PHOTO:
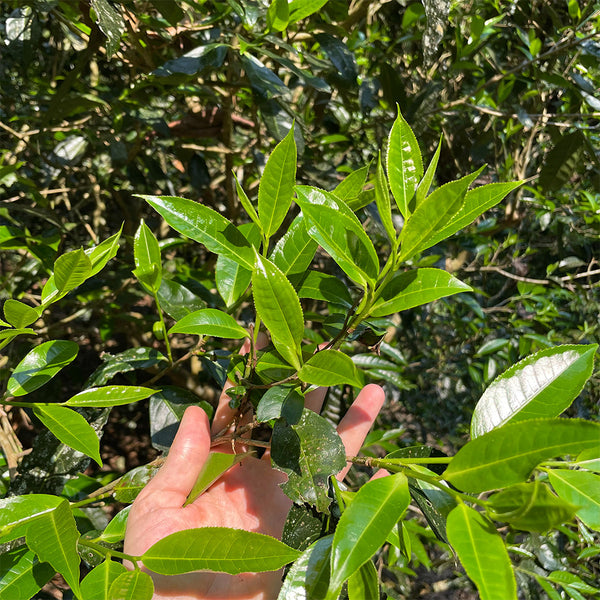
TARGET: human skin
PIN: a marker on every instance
(247, 497)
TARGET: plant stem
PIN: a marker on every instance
(108, 552)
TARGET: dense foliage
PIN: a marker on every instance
(111, 113)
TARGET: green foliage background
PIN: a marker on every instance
(99, 102)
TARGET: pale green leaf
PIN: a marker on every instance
(482, 553)
(18, 314)
(364, 584)
(300, 9)
(53, 537)
(219, 549)
(276, 188)
(210, 321)
(132, 585)
(146, 254)
(295, 250)
(96, 584)
(278, 306)
(40, 365)
(508, 454)
(382, 199)
(352, 186)
(425, 183)
(247, 204)
(404, 164)
(365, 524)
(278, 15)
(413, 288)
(109, 395)
(582, 489)
(115, 530)
(441, 206)
(542, 385)
(17, 512)
(21, 574)
(133, 482)
(71, 269)
(204, 225)
(329, 367)
(70, 428)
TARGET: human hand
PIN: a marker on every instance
(247, 497)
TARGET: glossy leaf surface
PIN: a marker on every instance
(352, 186)
(109, 395)
(404, 164)
(425, 183)
(96, 584)
(364, 583)
(210, 321)
(365, 524)
(276, 188)
(482, 553)
(280, 401)
(17, 512)
(308, 577)
(40, 365)
(21, 574)
(308, 453)
(329, 367)
(132, 483)
(441, 206)
(18, 314)
(332, 224)
(204, 225)
(124, 362)
(71, 429)
(217, 549)
(322, 286)
(115, 530)
(71, 269)
(177, 300)
(146, 254)
(508, 455)
(295, 250)
(414, 288)
(582, 489)
(382, 199)
(278, 306)
(541, 385)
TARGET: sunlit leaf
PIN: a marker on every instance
(413, 288)
(18, 314)
(132, 483)
(582, 489)
(22, 574)
(71, 429)
(482, 553)
(278, 306)
(508, 454)
(295, 250)
(109, 395)
(40, 365)
(220, 549)
(115, 530)
(425, 183)
(132, 585)
(365, 524)
(541, 385)
(364, 583)
(177, 300)
(210, 321)
(71, 269)
(329, 367)
(146, 254)
(382, 199)
(96, 584)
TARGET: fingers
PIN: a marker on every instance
(355, 425)
(314, 400)
(188, 453)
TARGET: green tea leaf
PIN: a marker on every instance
(210, 321)
(404, 164)
(542, 385)
(308, 453)
(40, 365)
(21, 574)
(247, 204)
(53, 537)
(352, 186)
(508, 454)
(382, 199)
(71, 269)
(218, 549)
(109, 395)
(96, 584)
(100, 255)
(300, 9)
(280, 401)
(365, 524)
(276, 188)
(232, 280)
(295, 250)
(582, 489)
(416, 287)
(425, 183)
(216, 465)
(132, 483)
(146, 253)
(18, 314)
(364, 583)
(336, 228)
(204, 225)
(71, 429)
(110, 22)
(17, 512)
(308, 577)
(442, 205)
(132, 585)
(321, 286)
(482, 553)
(278, 15)
(177, 300)
(278, 306)
(530, 507)
(329, 367)
(477, 201)
(115, 530)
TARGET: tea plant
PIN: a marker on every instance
(525, 469)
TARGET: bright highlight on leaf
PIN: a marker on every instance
(210, 321)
